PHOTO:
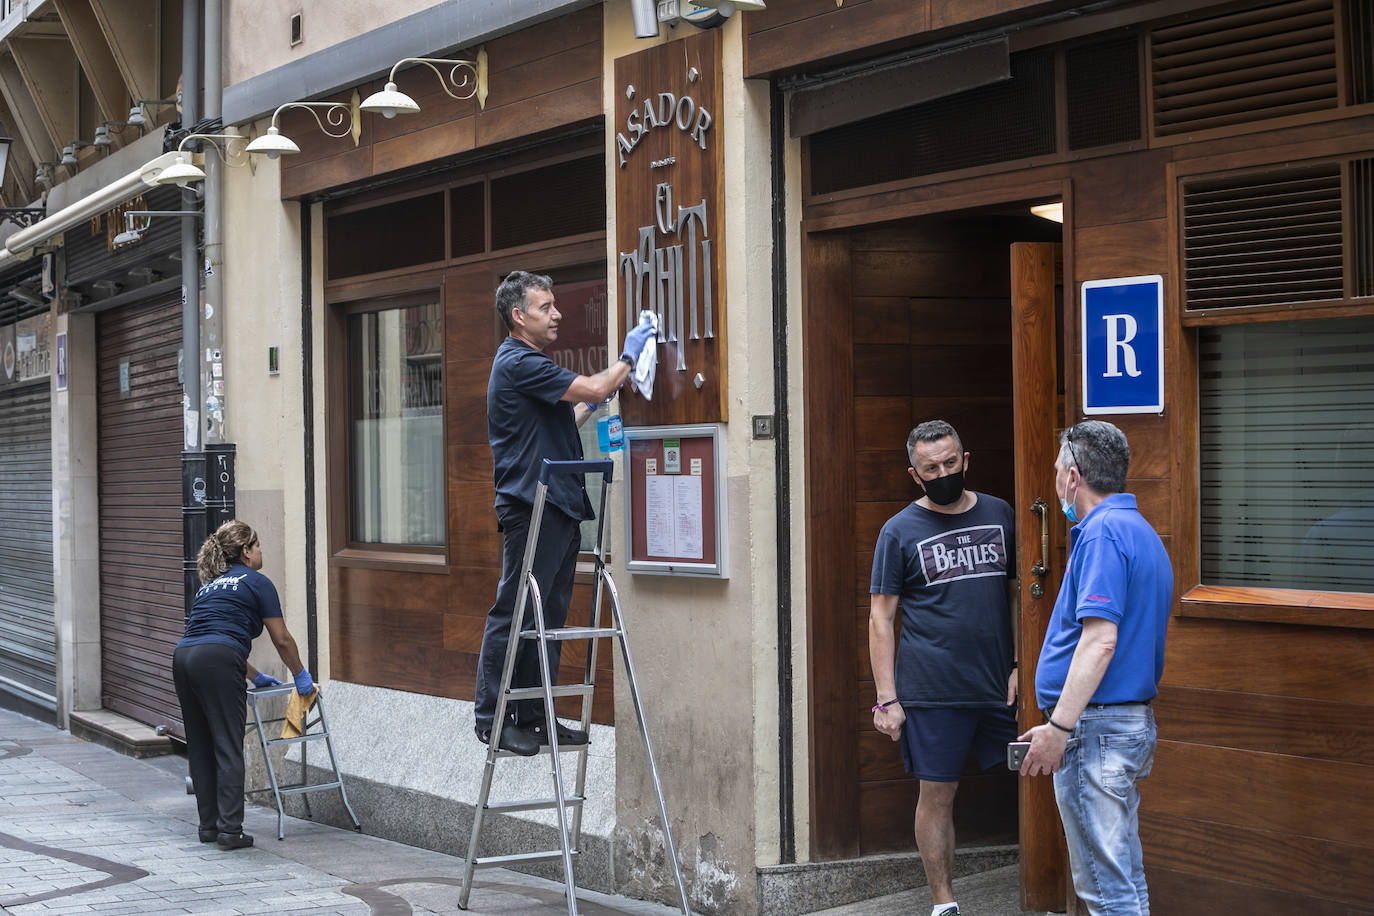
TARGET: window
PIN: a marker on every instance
(1286, 424)
(396, 424)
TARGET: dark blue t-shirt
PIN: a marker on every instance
(230, 610)
(1119, 571)
(950, 572)
(527, 422)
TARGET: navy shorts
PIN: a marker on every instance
(936, 740)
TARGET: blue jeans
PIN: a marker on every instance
(1112, 748)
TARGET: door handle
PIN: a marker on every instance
(1042, 568)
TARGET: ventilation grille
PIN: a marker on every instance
(1362, 210)
(1359, 31)
(1263, 239)
(1103, 92)
(1013, 119)
(548, 203)
(1263, 62)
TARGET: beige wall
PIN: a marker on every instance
(257, 33)
(262, 308)
(705, 649)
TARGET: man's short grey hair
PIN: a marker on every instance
(931, 431)
(511, 293)
(1100, 451)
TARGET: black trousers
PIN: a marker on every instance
(555, 562)
(209, 682)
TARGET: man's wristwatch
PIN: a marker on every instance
(627, 361)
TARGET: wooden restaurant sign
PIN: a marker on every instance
(669, 224)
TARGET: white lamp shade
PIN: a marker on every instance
(273, 144)
(127, 236)
(136, 118)
(729, 6)
(389, 102)
(180, 172)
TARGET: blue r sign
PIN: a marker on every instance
(1123, 345)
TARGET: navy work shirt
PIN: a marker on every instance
(230, 610)
(527, 421)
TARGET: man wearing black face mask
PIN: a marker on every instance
(947, 561)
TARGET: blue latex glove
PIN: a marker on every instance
(265, 680)
(636, 339)
(304, 682)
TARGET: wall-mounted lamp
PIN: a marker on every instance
(69, 153)
(1053, 212)
(42, 175)
(102, 133)
(272, 144)
(391, 101)
(727, 7)
(182, 171)
(132, 234)
(27, 296)
(138, 114)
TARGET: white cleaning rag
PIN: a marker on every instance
(646, 364)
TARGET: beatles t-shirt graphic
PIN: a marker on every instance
(965, 553)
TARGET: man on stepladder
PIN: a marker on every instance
(534, 407)
(946, 561)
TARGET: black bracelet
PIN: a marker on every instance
(627, 361)
(1015, 664)
(1050, 720)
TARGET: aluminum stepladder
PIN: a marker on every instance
(277, 789)
(569, 827)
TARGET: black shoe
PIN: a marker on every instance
(514, 739)
(233, 841)
(208, 836)
(567, 737)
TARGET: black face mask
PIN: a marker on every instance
(944, 491)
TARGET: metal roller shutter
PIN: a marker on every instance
(140, 440)
(28, 661)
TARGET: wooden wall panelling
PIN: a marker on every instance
(1274, 860)
(1274, 792)
(1215, 895)
(828, 393)
(1320, 729)
(1318, 663)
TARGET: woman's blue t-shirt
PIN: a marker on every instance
(230, 610)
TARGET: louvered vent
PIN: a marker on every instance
(1359, 47)
(1262, 62)
(1362, 209)
(1263, 239)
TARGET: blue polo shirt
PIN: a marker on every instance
(1118, 571)
(527, 421)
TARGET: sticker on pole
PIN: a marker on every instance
(1123, 345)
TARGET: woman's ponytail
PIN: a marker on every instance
(222, 549)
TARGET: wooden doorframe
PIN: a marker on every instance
(828, 394)
(828, 397)
(1043, 859)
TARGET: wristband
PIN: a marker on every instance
(881, 706)
(627, 360)
(1015, 664)
(1050, 720)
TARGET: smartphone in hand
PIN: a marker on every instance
(1016, 752)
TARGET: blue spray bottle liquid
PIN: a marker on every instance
(610, 435)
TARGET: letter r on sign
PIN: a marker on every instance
(1121, 330)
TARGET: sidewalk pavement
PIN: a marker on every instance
(987, 893)
(84, 829)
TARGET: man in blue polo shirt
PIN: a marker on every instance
(531, 416)
(1099, 669)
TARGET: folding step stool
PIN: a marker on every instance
(569, 835)
(278, 790)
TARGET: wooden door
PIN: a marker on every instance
(1040, 533)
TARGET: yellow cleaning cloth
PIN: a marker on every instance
(296, 708)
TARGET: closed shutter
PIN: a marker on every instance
(140, 439)
(28, 663)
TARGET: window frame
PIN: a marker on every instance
(1197, 598)
(422, 289)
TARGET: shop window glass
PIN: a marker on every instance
(396, 435)
(1286, 422)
